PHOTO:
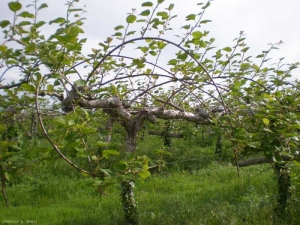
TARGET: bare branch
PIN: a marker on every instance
(168, 103)
(12, 85)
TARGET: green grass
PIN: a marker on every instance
(193, 190)
(213, 195)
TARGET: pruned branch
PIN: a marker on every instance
(262, 160)
(161, 113)
(52, 94)
(163, 134)
(169, 103)
(116, 108)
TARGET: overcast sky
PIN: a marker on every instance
(263, 21)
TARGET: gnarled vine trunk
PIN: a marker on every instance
(132, 122)
(130, 142)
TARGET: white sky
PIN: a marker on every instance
(263, 21)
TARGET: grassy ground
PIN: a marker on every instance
(194, 190)
(212, 195)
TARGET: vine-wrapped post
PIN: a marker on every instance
(284, 189)
(3, 180)
(129, 204)
(218, 150)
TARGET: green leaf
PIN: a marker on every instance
(28, 87)
(144, 174)
(207, 4)
(56, 83)
(85, 174)
(260, 56)
(71, 122)
(197, 34)
(190, 17)
(44, 5)
(14, 6)
(94, 158)
(3, 48)
(80, 82)
(107, 153)
(39, 24)
(141, 21)
(79, 22)
(88, 130)
(267, 130)
(131, 18)
(162, 152)
(120, 166)
(183, 56)
(143, 49)
(296, 163)
(107, 172)
(60, 120)
(160, 1)
(173, 62)
(101, 144)
(57, 20)
(266, 121)
(186, 27)
(161, 44)
(130, 32)
(171, 6)
(26, 14)
(50, 87)
(24, 23)
(256, 144)
(119, 27)
(172, 17)
(43, 149)
(4, 23)
(241, 39)
(75, 10)
(205, 21)
(72, 144)
(227, 49)
(109, 40)
(30, 48)
(153, 53)
(245, 49)
(163, 15)
(245, 66)
(145, 167)
(7, 176)
(118, 34)
(145, 13)
(147, 4)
